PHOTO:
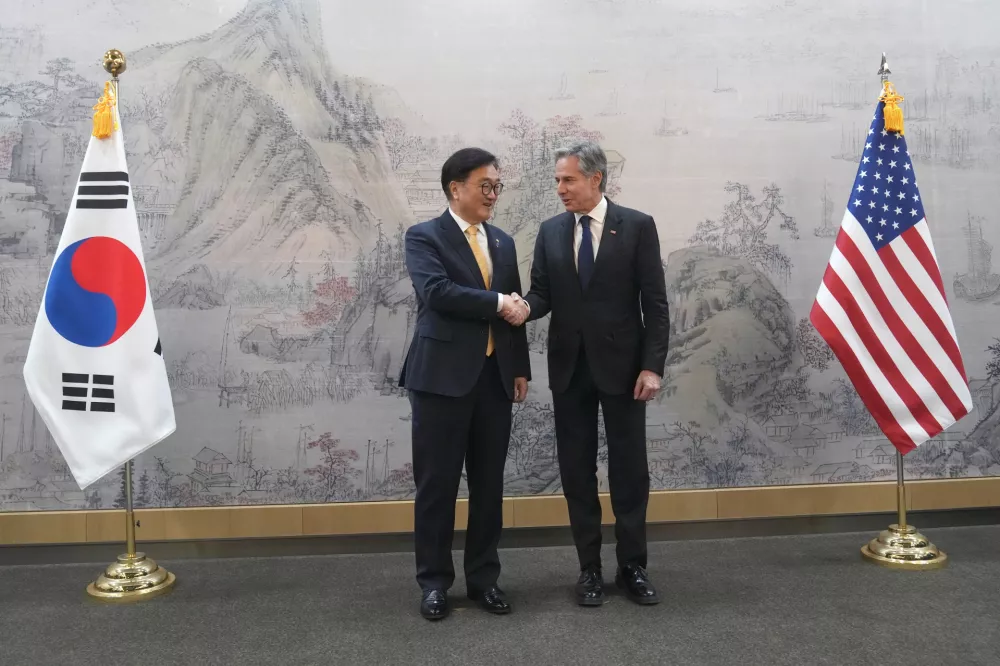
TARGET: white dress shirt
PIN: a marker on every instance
(484, 245)
(596, 228)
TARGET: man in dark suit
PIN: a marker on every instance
(597, 269)
(465, 367)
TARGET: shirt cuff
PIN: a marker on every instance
(499, 302)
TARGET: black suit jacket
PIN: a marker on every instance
(455, 310)
(621, 319)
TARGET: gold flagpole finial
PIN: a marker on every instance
(114, 62)
(104, 117)
(892, 113)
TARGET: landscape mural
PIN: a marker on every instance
(280, 148)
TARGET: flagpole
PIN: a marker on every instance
(133, 577)
(900, 492)
(129, 513)
(114, 69)
(901, 546)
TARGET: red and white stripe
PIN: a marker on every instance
(885, 315)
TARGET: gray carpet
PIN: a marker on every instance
(772, 600)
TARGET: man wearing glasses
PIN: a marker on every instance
(466, 365)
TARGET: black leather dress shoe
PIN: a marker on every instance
(633, 579)
(434, 605)
(590, 588)
(492, 600)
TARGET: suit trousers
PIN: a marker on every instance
(473, 429)
(628, 472)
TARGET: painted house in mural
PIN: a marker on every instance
(211, 471)
(805, 440)
(424, 194)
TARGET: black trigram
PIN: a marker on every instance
(102, 189)
(77, 388)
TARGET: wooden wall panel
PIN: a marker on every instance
(55, 527)
(43, 527)
(953, 495)
(811, 500)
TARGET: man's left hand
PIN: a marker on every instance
(520, 389)
(646, 386)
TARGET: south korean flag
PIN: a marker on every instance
(95, 370)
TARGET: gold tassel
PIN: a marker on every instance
(892, 113)
(104, 117)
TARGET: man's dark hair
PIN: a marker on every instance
(462, 163)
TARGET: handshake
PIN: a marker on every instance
(514, 309)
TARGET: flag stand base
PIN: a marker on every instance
(132, 578)
(903, 548)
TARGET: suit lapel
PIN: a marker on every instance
(493, 243)
(609, 242)
(458, 240)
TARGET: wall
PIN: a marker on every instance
(279, 149)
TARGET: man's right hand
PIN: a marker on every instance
(514, 310)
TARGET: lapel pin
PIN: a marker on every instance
(612, 232)
(496, 242)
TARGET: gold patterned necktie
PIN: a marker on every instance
(484, 269)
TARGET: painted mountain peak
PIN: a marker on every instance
(248, 150)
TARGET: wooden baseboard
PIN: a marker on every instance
(273, 521)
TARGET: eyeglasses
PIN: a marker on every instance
(487, 188)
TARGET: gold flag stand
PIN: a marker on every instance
(901, 546)
(134, 577)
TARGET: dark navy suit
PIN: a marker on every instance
(600, 338)
(461, 399)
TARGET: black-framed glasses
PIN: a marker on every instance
(487, 187)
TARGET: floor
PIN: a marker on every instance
(765, 600)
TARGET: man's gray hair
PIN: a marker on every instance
(591, 157)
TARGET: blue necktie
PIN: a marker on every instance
(585, 259)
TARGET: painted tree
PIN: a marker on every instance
(850, 411)
(143, 498)
(330, 297)
(402, 146)
(165, 492)
(531, 435)
(993, 365)
(60, 70)
(121, 500)
(335, 470)
(742, 231)
(697, 440)
(814, 349)
(291, 281)
(527, 166)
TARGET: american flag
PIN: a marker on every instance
(882, 307)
